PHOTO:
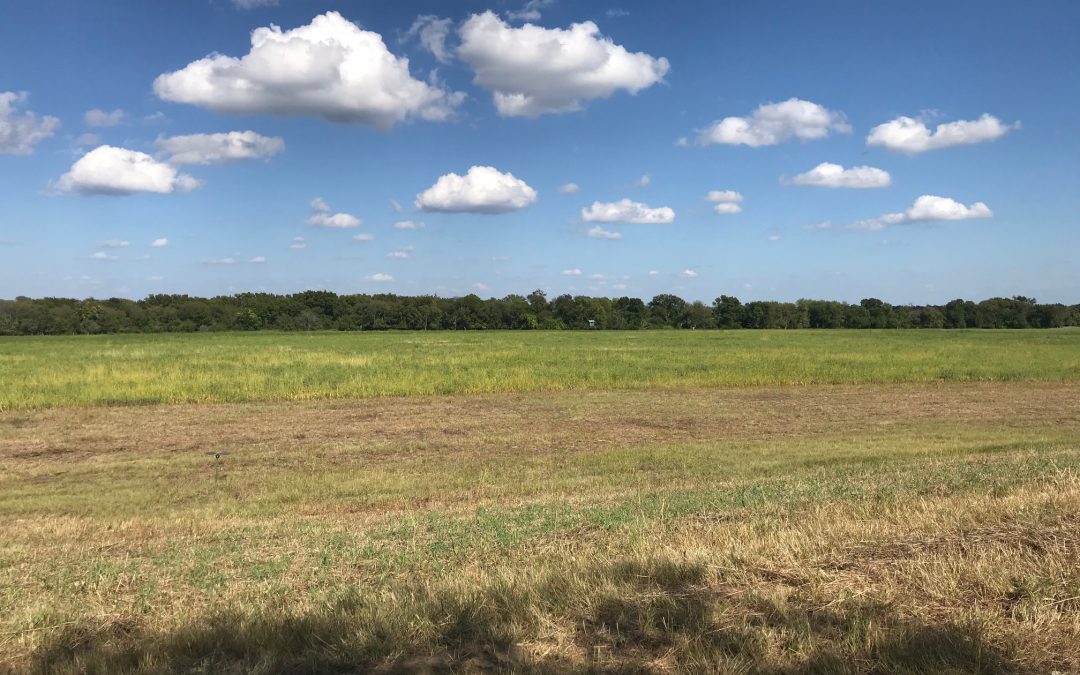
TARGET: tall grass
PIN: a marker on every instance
(42, 372)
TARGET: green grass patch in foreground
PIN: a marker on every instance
(139, 369)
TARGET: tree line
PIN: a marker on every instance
(324, 310)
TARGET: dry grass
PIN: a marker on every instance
(895, 528)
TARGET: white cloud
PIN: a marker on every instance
(217, 148)
(644, 181)
(336, 220)
(379, 276)
(653, 273)
(323, 218)
(480, 286)
(688, 274)
(910, 135)
(298, 243)
(616, 13)
(330, 68)
(626, 211)
(724, 196)
(102, 255)
(925, 209)
(100, 118)
(569, 188)
(483, 189)
(432, 32)
(402, 253)
(258, 260)
(396, 206)
(727, 208)
(774, 123)
(409, 225)
(531, 10)
(598, 232)
(156, 277)
(108, 170)
(160, 243)
(774, 237)
(619, 286)
(252, 4)
(836, 176)
(221, 261)
(575, 272)
(20, 133)
(533, 70)
(114, 243)
(363, 236)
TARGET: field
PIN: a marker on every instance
(758, 501)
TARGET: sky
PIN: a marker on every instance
(767, 150)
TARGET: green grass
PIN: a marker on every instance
(139, 369)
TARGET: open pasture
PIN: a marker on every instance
(845, 502)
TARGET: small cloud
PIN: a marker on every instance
(88, 139)
(483, 189)
(102, 255)
(155, 278)
(831, 175)
(598, 232)
(160, 243)
(569, 188)
(100, 118)
(298, 243)
(575, 272)
(644, 180)
(379, 276)
(927, 208)
(222, 261)
(319, 205)
(616, 13)
(724, 196)
(108, 170)
(500, 258)
(409, 225)
(218, 148)
(688, 274)
(114, 243)
(253, 4)
(258, 260)
(682, 142)
(396, 206)
(626, 211)
(401, 253)
(774, 123)
(363, 236)
(480, 286)
(727, 208)
(323, 218)
(653, 273)
(619, 286)
(155, 118)
(912, 136)
(774, 237)
(432, 32)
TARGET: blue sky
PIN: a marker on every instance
(696, 96)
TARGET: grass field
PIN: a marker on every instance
(58, 371)
(915, 510)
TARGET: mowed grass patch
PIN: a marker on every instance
(903, 528)
(141, 369)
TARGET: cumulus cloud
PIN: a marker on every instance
(107, 170)
(626, 211)
(774, 123)
(401, 253)
(483, 189)
(363, 236)
(114, 243)
(569, 188)
(409, 225)
(323, 218)
(329, 68)
(724, 196)
(480, 286)
(217, 148)
(531, 10)
(258, 260)
(160, 243)
(102, 255)
(925, 209)
(379, 276)
(533, 70)
(597, 232)
(101, 118)
(688, 274)
(727, 208)
(912, 136)
(575, 272)
(831, 175)
(774, 237)
(644, 181)
(298, 243)
(432, 32)
(19, 133)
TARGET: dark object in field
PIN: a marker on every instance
(219, 454)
